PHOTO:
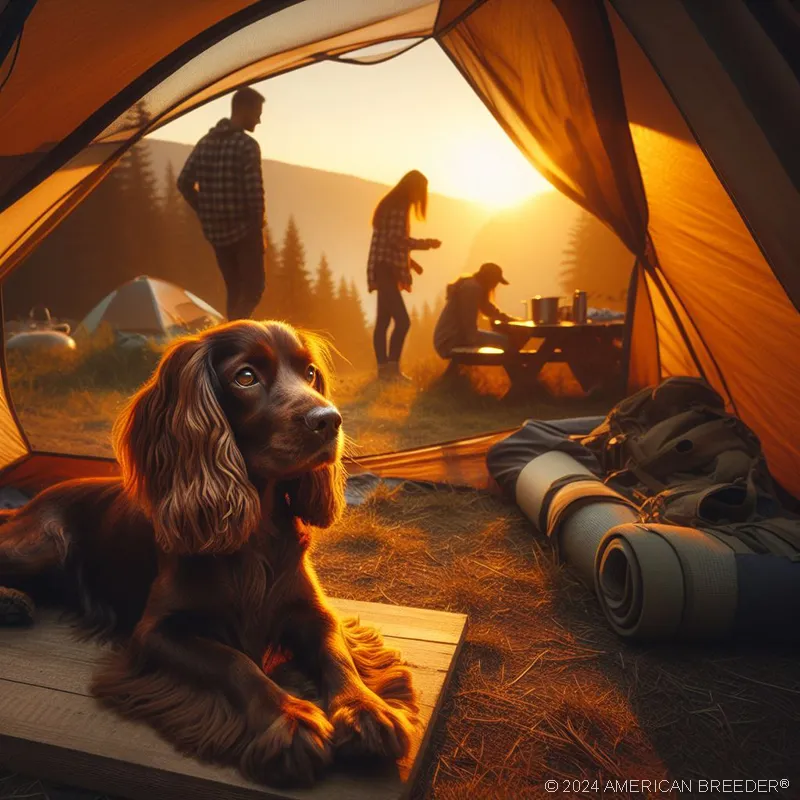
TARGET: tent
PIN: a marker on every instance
(150, 307)
(675, 122)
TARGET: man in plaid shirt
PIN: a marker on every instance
(222, 182)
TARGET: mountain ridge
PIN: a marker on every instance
(333, 212)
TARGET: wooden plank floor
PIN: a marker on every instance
(51, 728)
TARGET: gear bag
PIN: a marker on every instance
(675, 452)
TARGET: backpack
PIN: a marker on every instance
(683, 460)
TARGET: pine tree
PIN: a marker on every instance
(426, 318)
(143, 248)
(341, 330)
(180, 235)
(323, 317)
(358, 319)
(293, 300)
(356, 340)
(76, 265)
(272, 265)
(342, 291)
(271, 304)
(596, 261)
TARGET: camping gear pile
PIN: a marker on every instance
(667, 508)
(39, 319)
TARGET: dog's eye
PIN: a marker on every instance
(311, 373)
(246, 377)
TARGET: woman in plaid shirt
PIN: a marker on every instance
(390, 264)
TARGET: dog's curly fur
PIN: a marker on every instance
(195, 562)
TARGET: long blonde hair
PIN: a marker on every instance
(411, 191)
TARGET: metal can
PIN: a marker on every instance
(579, 307)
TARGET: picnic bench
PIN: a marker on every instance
(592, 350)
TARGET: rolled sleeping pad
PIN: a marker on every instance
(572, 506)
(508, 457)
(658, 582)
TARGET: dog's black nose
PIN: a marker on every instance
(325, 421)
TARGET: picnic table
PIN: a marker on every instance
(592, 350)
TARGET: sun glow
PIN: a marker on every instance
(378, 122)
(490, 170)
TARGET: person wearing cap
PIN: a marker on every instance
(467, 297)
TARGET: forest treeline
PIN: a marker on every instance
(127, 227)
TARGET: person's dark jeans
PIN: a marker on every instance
(242, 268)
(390, 307)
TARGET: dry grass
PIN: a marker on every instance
(544, 690)
(69, 405)
(382, 417)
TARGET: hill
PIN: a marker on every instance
(528, 241)
(122, 231)
(333, 213)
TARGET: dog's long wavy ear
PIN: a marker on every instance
(179, 459)
(317, 498)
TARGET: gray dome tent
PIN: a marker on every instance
(150, 307)
(674, 122)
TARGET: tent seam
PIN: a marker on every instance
(666, 282)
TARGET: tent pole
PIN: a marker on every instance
(12, 21)
(3, 369)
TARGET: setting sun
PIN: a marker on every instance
(489, 169)
(377, 122)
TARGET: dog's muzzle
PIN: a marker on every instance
(325, 421)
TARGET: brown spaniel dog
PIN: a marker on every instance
(196, 562)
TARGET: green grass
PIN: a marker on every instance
(68, 403)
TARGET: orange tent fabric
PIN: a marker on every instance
(675, 126)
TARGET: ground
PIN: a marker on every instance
(64, 412)
(543, 689)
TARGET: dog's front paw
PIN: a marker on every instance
(16, 608)
(365, 725)
(293, 750)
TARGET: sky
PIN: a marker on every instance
(379, 121)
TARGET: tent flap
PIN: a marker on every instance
(547, 71)
(674, 123)
(727, 127)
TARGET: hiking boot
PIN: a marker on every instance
(394, 373)
(385, 372)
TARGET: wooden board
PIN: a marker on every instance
(51, 728)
